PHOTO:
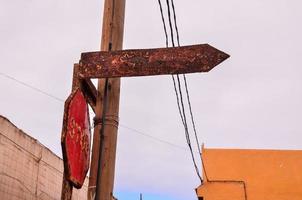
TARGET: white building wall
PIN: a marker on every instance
(28, 170)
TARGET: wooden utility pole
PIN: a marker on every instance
(108, 65)
(112, 39)
(66, 193)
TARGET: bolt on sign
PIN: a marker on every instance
(76, 138)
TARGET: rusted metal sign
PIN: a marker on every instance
(76, 138)
(110, 64)
(148, 62)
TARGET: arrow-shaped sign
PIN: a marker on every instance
(148, 62)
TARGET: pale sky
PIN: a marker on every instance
(252, 100)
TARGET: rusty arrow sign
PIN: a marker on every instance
(148, 62)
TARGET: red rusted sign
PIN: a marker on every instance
(148, 62)
(76, 138)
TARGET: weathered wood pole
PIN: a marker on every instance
(66, 193)
(112, 39)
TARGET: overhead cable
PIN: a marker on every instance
(177, 86)
(122, 125)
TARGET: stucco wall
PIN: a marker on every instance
(28, 170)
(247, 174)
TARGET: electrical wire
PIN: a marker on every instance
(31, 87)
(175, 22)
(120, 124)
(191, 114)
(163, 19)
(187, 132)
(177, 87)
(170, 22)
(153, 138)
(185, 81)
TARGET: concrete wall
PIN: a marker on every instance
(28, 170)
(240, 174)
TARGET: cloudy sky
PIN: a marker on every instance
(252, 100)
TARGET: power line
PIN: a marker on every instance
(153, 138)
(177, 87)
(31, 87)
(175, 22)
(121, 125)
(170, 23)
(191, 114)
(185, 81)
(163, 19)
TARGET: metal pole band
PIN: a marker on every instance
(110, 120)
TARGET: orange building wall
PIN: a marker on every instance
(251, 174)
